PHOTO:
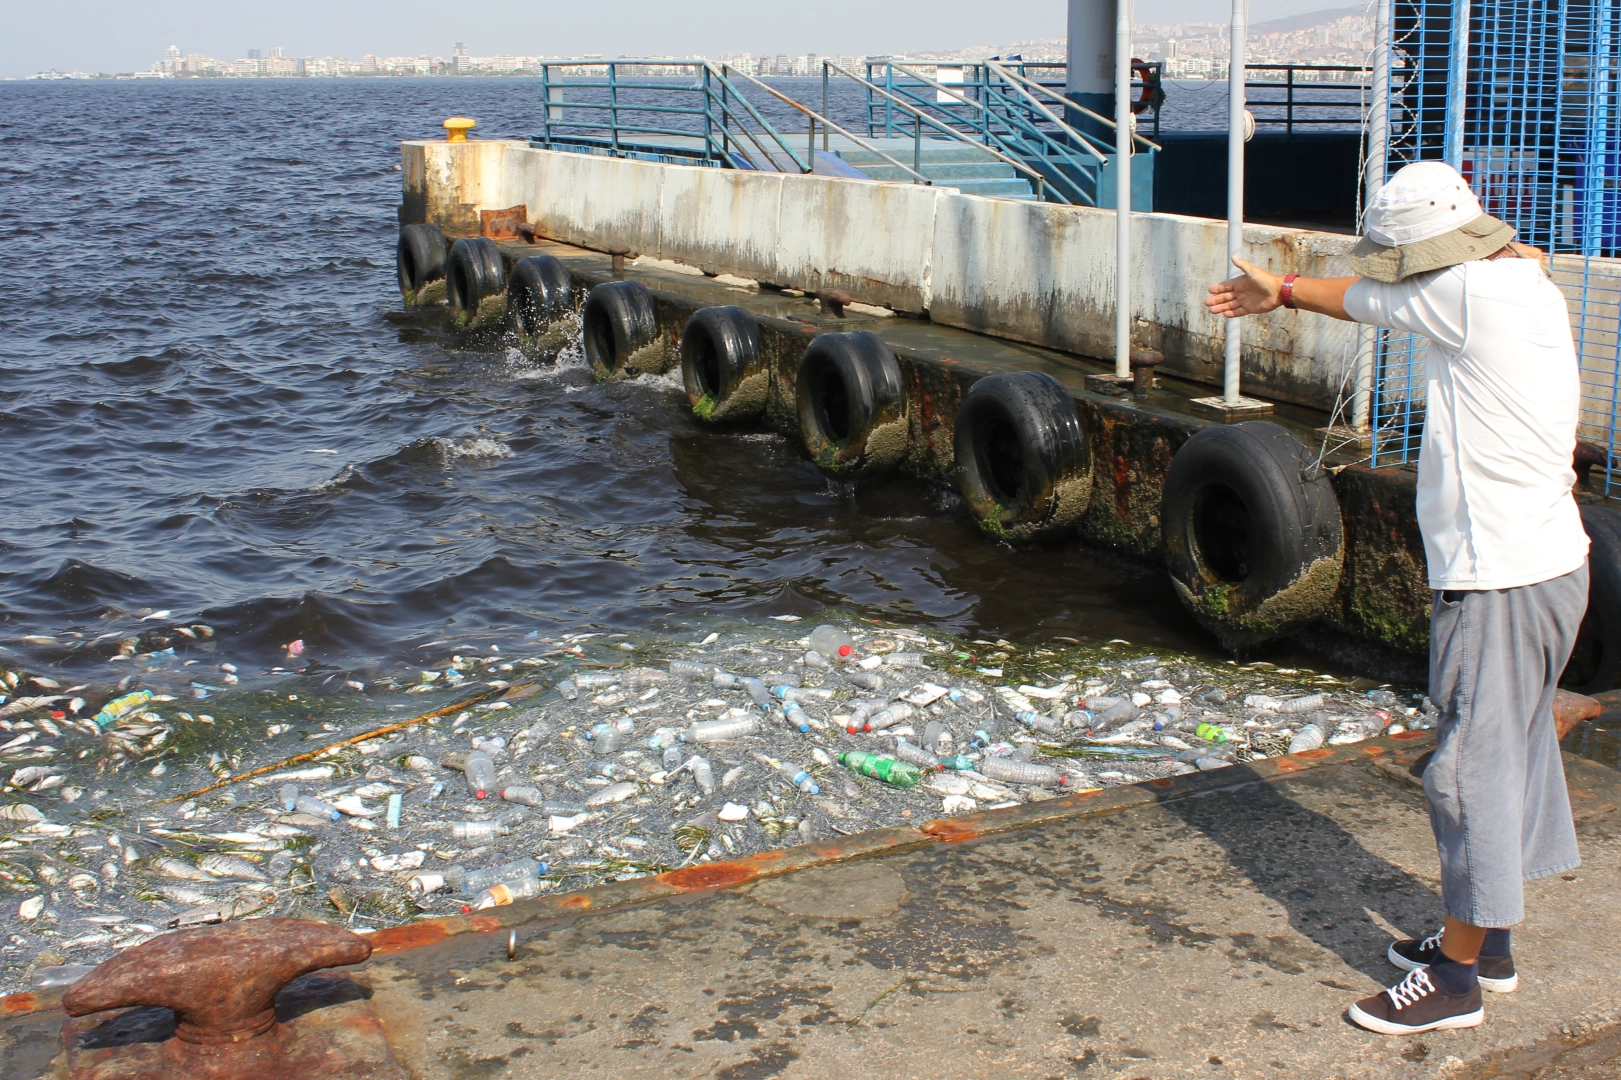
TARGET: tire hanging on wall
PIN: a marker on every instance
(1023, 463)
(851, 403)
(1595, 662)
(419, 258)
(475, 272)
(620, 326)
(540, 292)
(721, 365)
(1252, 531)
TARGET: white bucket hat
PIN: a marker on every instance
(1425, 218)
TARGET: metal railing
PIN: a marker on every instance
(1323, 100)
(998, 107)
(974, 79)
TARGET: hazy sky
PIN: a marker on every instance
(124, 35)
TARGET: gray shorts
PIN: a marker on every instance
(1496, 785)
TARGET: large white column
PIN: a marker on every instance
(1235, 188)
(1090, 81)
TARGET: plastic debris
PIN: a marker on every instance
(882, 767)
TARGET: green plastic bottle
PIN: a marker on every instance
(1211, 732)
(882, 767)
(957, 762)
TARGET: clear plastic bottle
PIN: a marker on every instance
(931, 735)
(477, 830)
(289, 797)
(889, 717)
(702, 774)
(796, 717)
(916, 755)
(882, 767)
(708, 731)
(859, 714)
(1303, 703)
(505, 893)
(758, 692)
(867, 680)
(981, 739)
(671, 758)
(904, 659)
(798, 777)
(309, 804)
(595, 680)
(1084, 719)
(480, 771)
(1309, 737)
(1020, 772)
(801, 693)
(532, 796)
(812, 658)
(569, 689)
(476, 881)
(611, 769)
(833, 643)
(606, 739)
(1037, 722)
(688, 669)
(725, 680)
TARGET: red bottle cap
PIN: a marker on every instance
(478, 794)
(845, 650)
(58, 714)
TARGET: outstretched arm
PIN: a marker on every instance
(1255, 292)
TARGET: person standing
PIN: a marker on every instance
(1506, 553)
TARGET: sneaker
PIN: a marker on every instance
(1416, 1004)
(1496, 972)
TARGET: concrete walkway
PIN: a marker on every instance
(1219, 933)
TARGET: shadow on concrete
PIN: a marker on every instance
(1312, 867)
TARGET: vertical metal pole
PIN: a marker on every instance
(1373, 179)
(1457, 85)
(824, 103)
(889, 104)
(1122, 179)
(1235, 188)
(546, 95)
(1289, 95)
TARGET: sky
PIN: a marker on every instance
(126, 35)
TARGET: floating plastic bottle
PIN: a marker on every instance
(757, 692)
(595, 680)
(532, 796)
(958, 763)
(1037, 722)
(800, 693)
(480, 771)
(309, 804)
(889, 717)
(396, 802)
(569, 689)
(882, 767)
(120, 707)
(289, 797)
(672, 758)
(1354, 731)
(798, 777)
(1303, 703)
(606, 739)
(1020, 772)
(867, 680)
(1084, 719)
(689, 669)
(1100, 703)
(611, 769)
(904, 659)
(916, 755)
(477, 830)
(1382, 698)
(931, 735)
(796, 717)
(708, 731)
(859, 714)
(981, 739)
(725, 680)
(1309, 737)
(505, 893)
(955, 696)
(833, 643)
(812, 658)
(702, 774)
(476, 881)
(1211, 732)
(423, 884)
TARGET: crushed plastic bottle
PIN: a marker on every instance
(1303, 703)
(671, 759)
(569, 689)
(479, 769)
(812, 658)
(702, 774)
(606, 739)
(289, 797)
(859, 714)
(477, 830)
(476, 881)
(916, 755)
(120, 707)
(725, 680)
(1037, 722)
(1020, 772)
(507, 892)
(1309, 737)
(931, 735)
(687, 669)
(981, 739)
(796, 717)
(309, 804)
(882, 767)
(866, 680)
(611, 769)
(889, 717)
(1383, 698)
(833, 643)
(708, 731)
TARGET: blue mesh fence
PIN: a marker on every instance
(1527, 106)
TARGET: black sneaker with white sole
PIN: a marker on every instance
(1496, 972)
(1416, 1004)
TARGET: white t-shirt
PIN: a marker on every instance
(1495, 474)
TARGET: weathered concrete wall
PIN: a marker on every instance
(1034, 272)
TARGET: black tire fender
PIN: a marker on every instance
(1595, 662)
(540, 292)
(619, 324)
(1023, 463)
(851, 403)
(474, 272)
(1252, 531)
(721, 365)
(419, 258)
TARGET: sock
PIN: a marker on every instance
(1496, 943)
(1453, 977)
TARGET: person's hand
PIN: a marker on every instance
(1255, 292)
(1527, 251)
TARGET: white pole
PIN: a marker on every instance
(1374, 179)
(1235, 188)
(1122, 176)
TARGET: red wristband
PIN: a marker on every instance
(1286, 291)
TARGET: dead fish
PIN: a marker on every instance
(613, 793)
(39, 639)
(351, 806)
(20, 740)
(46, 725)
(179, 894)
(216, 913)
(49, 684)
(21, 812)
(83, 883)
(25, 776)
(177, 868)
(24, 704)
(164, 614)
(231, 866)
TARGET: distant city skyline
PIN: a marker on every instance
(103, 36)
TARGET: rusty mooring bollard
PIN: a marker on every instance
(1143, 363)
(222, 984)
(618, 254)
(833, 302)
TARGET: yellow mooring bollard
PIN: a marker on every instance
(457, 127)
